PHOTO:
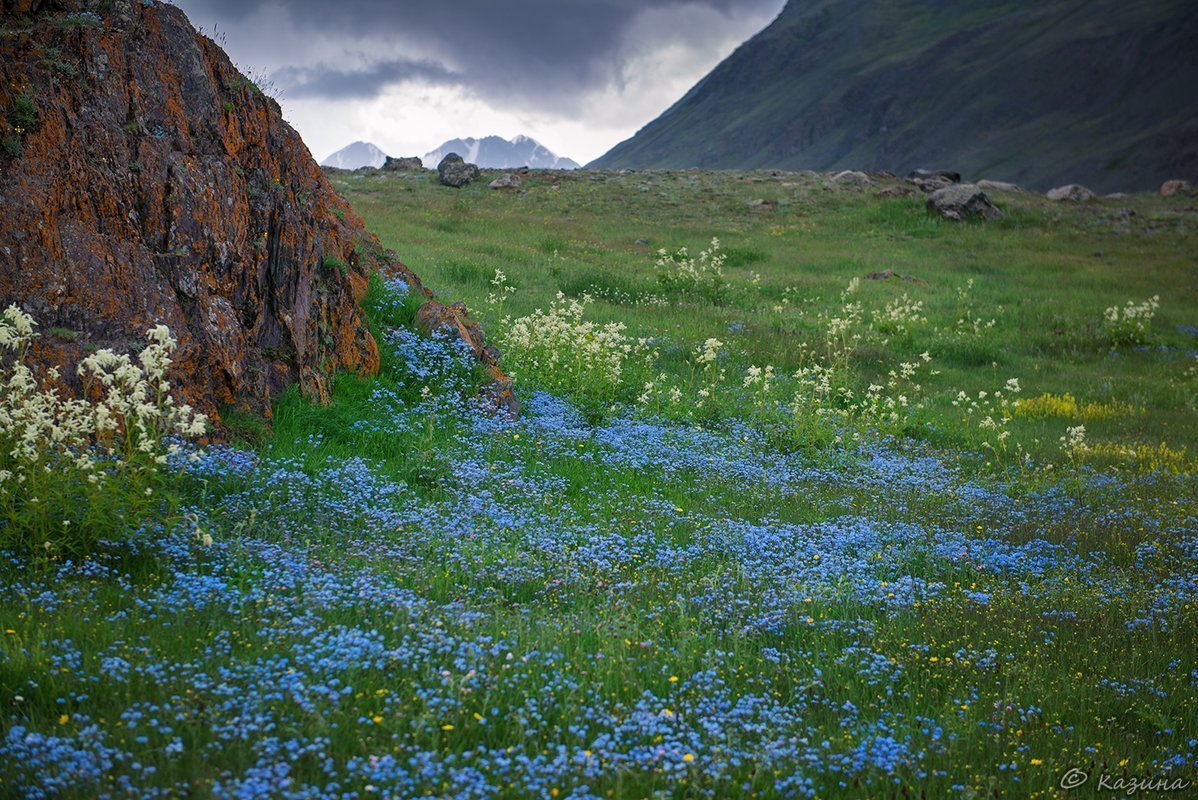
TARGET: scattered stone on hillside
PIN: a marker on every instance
(895, 191)
(643, 242)
(1176, 187)
(761, 204)
(367, 170)
(1072, 192)
(454, 171)
(1116, 196)
(961, 201)
(927, 174)
(929, 181)
(1002, 186)
(506, 181)
(848, 179)
(435, 318)
(403, 164)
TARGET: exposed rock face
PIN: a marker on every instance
(961, 201)
(156, 184)
(455, 172)
(1073, 193)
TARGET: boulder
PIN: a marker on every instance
(454, 171)
(1001, 186)
(508, 180)
(961, 201)
(403, 164)
(848, 179)
(934, 174)
(930, 180)
(1072, 193)
(1176, 187)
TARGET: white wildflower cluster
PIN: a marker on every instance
(887, 406)
(1074, 442)
(621, 297)
(707, 372)
(899, 315)
(841, 331)
(968, 322)
(759, 383)
(989, 414)
(500, 291)
(566, 352)
(1130, 325)
(818, 395)
(681, 272)
(823, 395)
(122, 428)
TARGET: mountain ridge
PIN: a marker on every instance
(355, 155)
(495, 152)
(1037, 93)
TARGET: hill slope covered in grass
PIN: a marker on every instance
(1040, 93)
(767, 527)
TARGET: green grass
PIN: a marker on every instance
(1045, 274)
(544, 589)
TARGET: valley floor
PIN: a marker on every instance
(775, 531)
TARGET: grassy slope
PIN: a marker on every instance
(1038, 93)
(1046, 273)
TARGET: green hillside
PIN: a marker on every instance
(1041, 93)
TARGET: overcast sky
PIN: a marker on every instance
(577, 75)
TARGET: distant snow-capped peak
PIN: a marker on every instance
(494, 152)
(358, 154)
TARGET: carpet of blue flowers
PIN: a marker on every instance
(629, 607)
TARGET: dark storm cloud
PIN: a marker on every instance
(365, 82)
(543, 49)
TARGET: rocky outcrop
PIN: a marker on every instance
(454, 171)
(962, 201)
(144, 180)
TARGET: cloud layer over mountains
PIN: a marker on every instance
(539, 51)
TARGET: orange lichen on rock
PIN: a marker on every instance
(156, 184)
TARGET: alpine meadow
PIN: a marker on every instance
(657, 483)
